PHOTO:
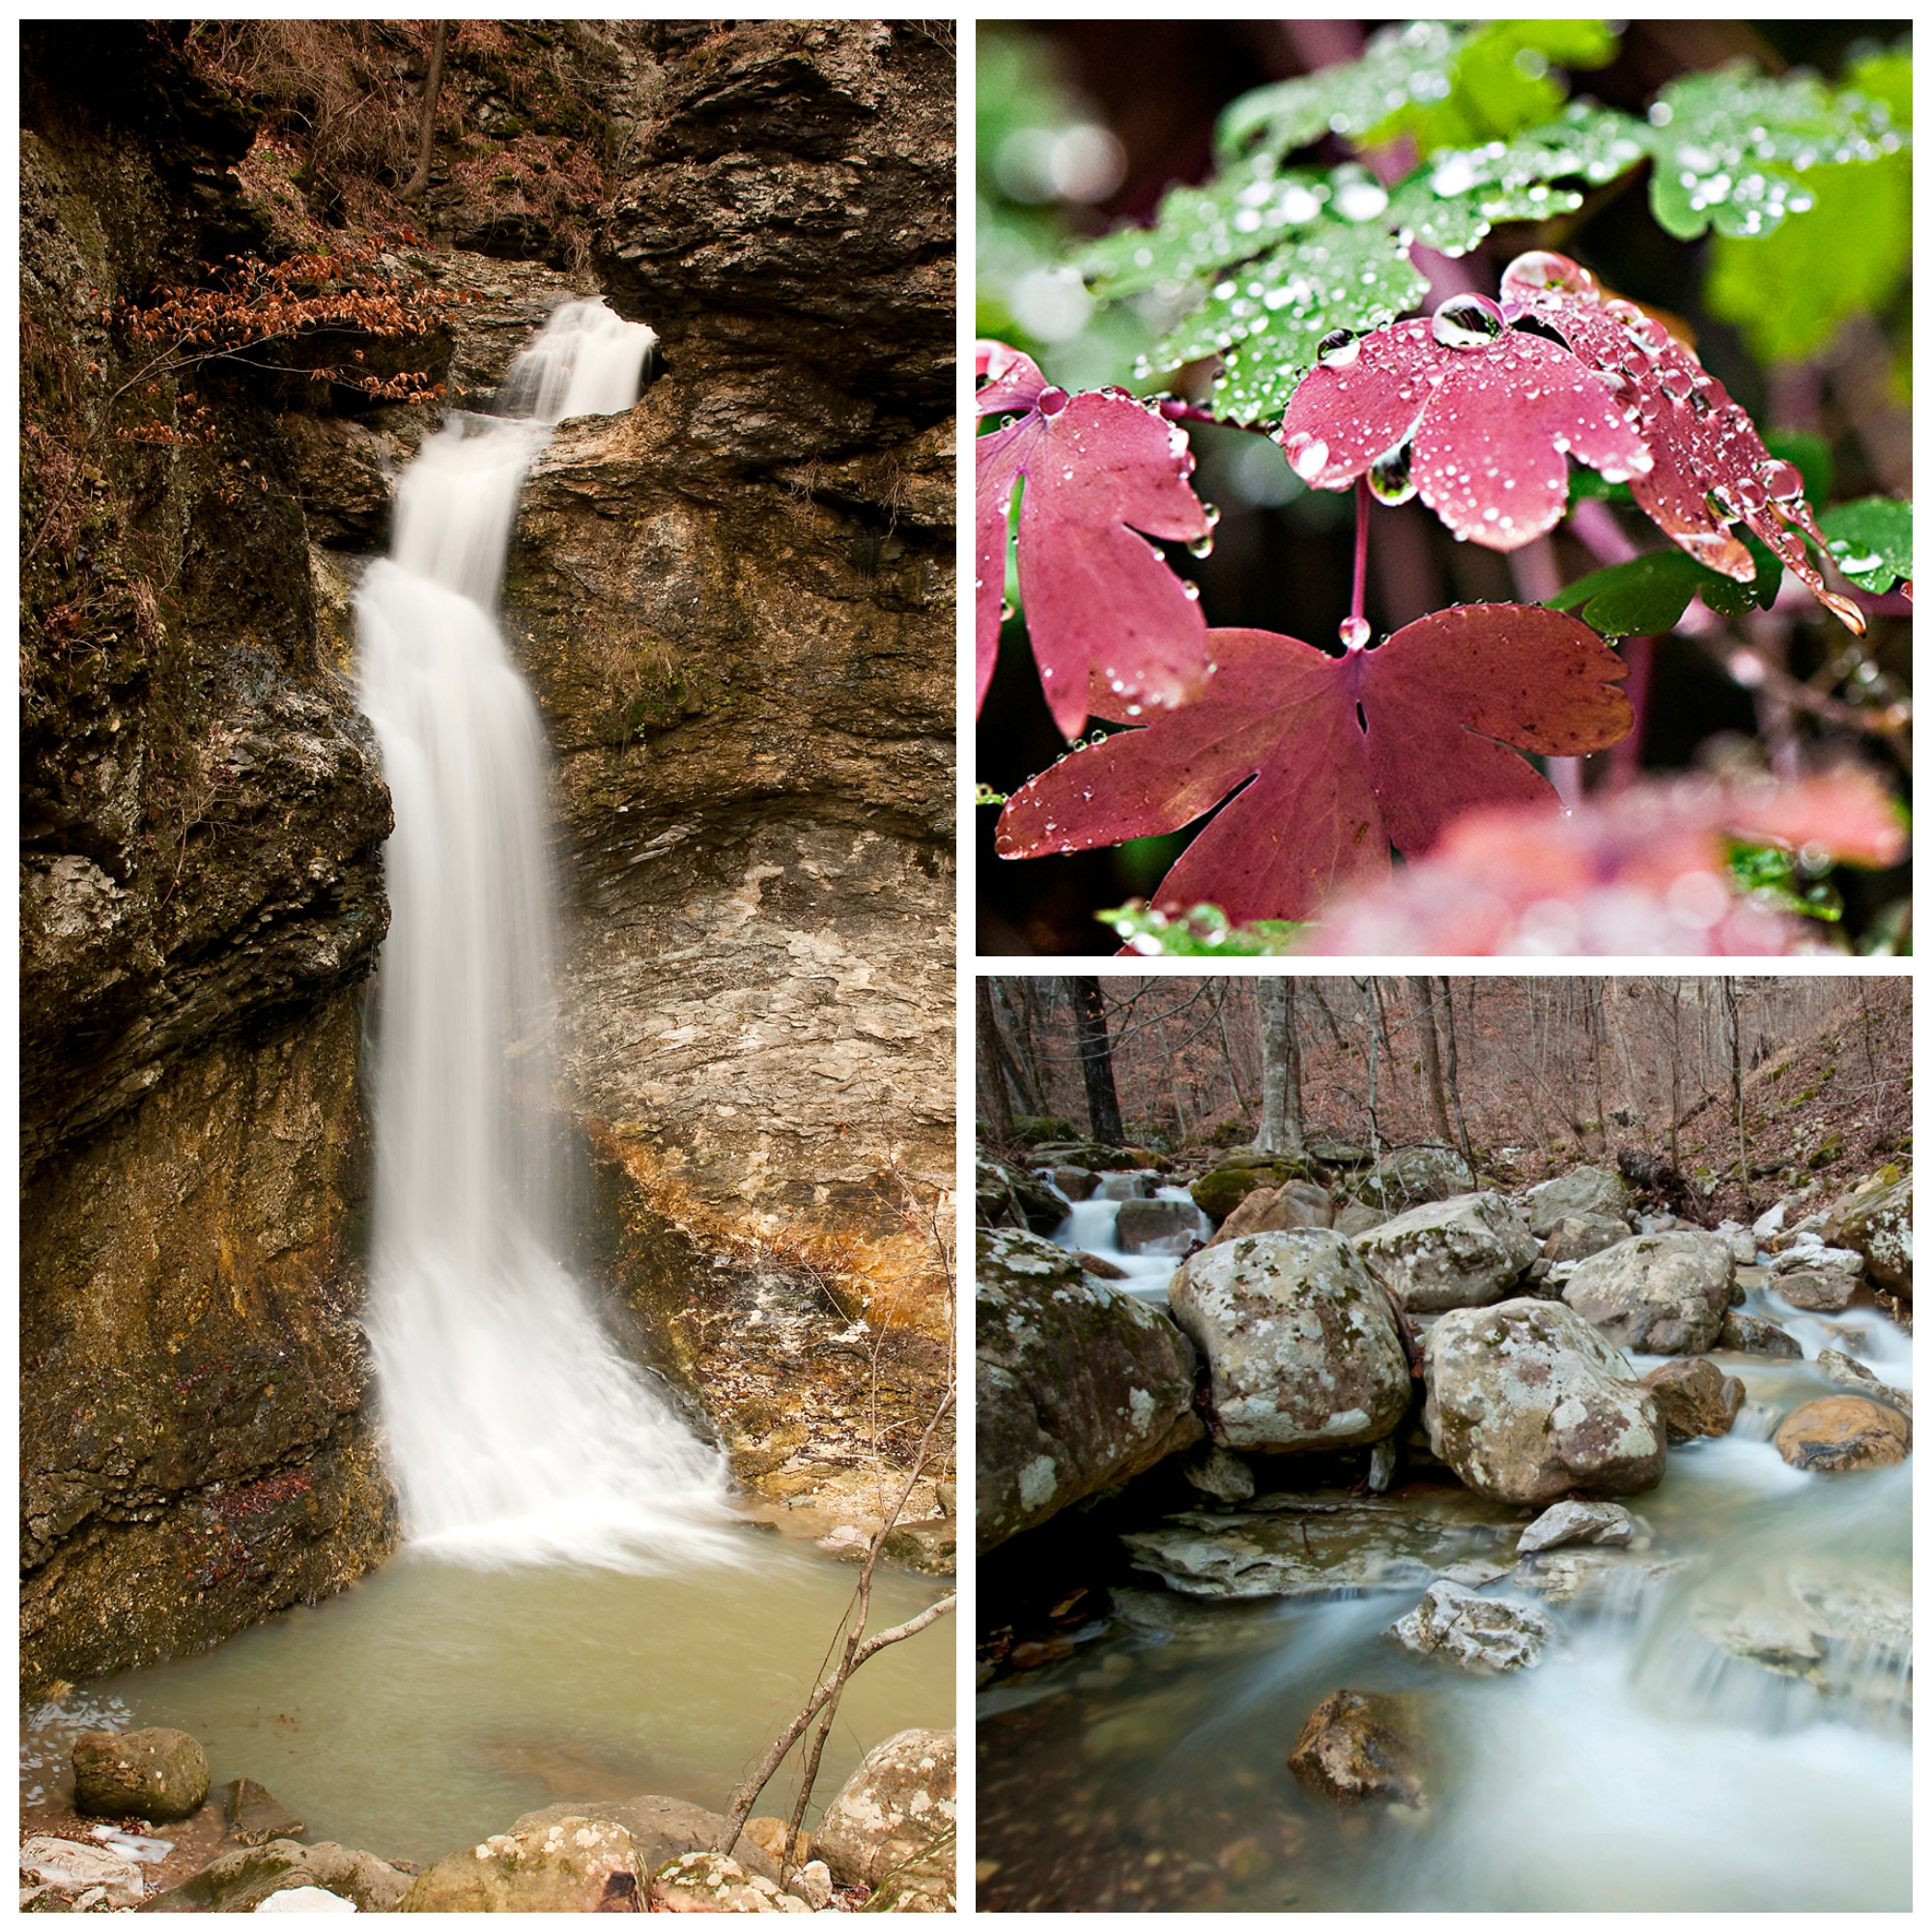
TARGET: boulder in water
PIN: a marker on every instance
(1526, 1402)
(1223, 1188)
(1295, 1204)
(80, 1877)
(1460, 1253)
(239, 1881)
(254, 1817)
(1753, 1335)
(1593, 1191)
(708, 1882)
(1578, 1237)
(1695, 1398)
(1576, 1523)
(1079, 1386)
(899, 1806)
(1007, 1196)
(1847, 1373)
(1356, 1746)
(1815, 1290)
(155, 1773)
(1481, 1633)
(573, 1864)
(1663, 1295)
(930, 1545)
(1303, 1348)
(1412, 1176)
(1158, 1227)
(1077, 1183)
(1842, 1432)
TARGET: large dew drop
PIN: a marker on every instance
(516, 1430)
(1467, 321)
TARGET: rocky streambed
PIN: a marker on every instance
(1501, 1552)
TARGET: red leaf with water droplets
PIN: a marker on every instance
(1643, 872)
(1487, 426)
(1348, 755)
(1104, 612)
(1709, 467)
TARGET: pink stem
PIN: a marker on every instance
(1360, 596)
(1627, 753)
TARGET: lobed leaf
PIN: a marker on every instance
(1334, 759)
(1100, 475)
(1730, 148)
(1871, 540)
(1646, 596)
(1487, 427)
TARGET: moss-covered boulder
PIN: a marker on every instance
(570, 1864)
(1876, 1219)
(1302, 1345)
(155, 1773)
(1412, 1176)
(1274, 1210)
(1227, 1184)
(239, 1881)
(1079, 1384)
(1007, 1196)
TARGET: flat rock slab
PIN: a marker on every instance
(76, 1871)
(1298, 1549)
(1846, 1636)
(1594, 1579)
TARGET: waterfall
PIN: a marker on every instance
(517, 1432)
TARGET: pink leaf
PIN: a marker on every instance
(1106, 616)
(1642, 872)
(1487, 425)
(1347, 754)
(1709, 468)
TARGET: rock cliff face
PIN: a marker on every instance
(735, 605)
(201, 823)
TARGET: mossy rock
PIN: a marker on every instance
(1223, 1188)
(1034, 1128)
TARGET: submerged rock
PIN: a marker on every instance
(1576, 1523)
(1301, 1345)
(1664, 1295)
(155, 1773)
(254, 1817)
(1593, 1191)
(1596, 1579)
(1842, 1432)
(1463, 1252)
(1753, 1335)
(239, 1881)
(1079, 1386)
(897, 1807)
(710, 1882)
(1299, 1546)
(1480, 1633)
(83, 1877)
(574, 1864)
(1526, 1402)
(1695, 1398)
(1846, 1636)
(1356, 1746)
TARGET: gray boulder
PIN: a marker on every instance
(1463, 1252)
(1753, 1335)
(239, 1881)
(1077, 1183)
(1480, 1633)
(1079, 1384)
(1663, 1295)
(1302, 1345)
(1160, 1226)
(1564, 1524)
(1819, 1292)
(1357, 1219)
(1216, 1473)
(1528, 1401)
(1412, 1176)
(1007, 1196)
(1578, 1237)
(898, 1807)
(1585, 1190)
(1876, 1219)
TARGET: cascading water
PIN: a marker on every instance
(516, 1430)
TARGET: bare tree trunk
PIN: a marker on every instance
(1374, 1002)
(1455, 1085)
(1280, 1129)
(1676, 1060)
(1432, 1058)
(1096, 1061)
(1729, 988)
(1593, 1021)
(426, 130)
(996, 1115)
(1228, 1053)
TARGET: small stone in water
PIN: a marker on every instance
(1467, 321)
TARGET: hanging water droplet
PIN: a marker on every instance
(1389, 478)
(1339, 349)
(1354, 632)
(1203, 546)
(1211, 512)
(1051, 401)
(1467, 321)
(1307, 457)
(1784, 482)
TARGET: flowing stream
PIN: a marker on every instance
(1731, 1731)
(516, 1430)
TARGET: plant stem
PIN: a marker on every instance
(1360, 592)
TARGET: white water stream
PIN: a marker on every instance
(516, 1430)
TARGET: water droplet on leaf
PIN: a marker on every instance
(1467, 321)
(1339, 349)
(1389, 478)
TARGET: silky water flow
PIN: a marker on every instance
(517, 1432)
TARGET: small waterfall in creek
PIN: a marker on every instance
(517, 1432)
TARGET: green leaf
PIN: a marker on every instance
(1399, 65)
(1202, 932)
(1789, 292)
(1500, 81)
(1732, 148)
(1779, 875)
(1266, 318)
(1870, 540)
(1647, 596)
(1456, 223)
